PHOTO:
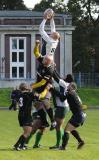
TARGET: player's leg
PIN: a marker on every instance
(74, 122)
(59, 133)
(22, 139)
(36, 125)
(26, 124)
(60, 114)
(38, 138)
(41, 112)
(49, 109)
(69, 127)
(76, 134)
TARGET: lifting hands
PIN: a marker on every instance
(36, 49)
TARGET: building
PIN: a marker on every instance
(18, 31)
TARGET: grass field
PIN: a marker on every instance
(89, 96)
(10, 131)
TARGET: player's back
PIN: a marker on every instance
(25, 103)
(74, 103)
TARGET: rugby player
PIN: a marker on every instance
(45, 72)
(77, 118)
(24, 115)
(52, 39)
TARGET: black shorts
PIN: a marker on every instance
(45, 103)
(60, 112)
(24, 121)
(35, 116)
(77, 119)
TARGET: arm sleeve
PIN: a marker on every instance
(44, 35)
(56, 76)
(38, 54)
(43, 94)
(36, 51)
(52, 24)
(63, 84)
(38, 84)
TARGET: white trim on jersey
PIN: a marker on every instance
(64, 85)
(51, 43)
(61, 104)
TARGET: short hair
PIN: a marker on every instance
(69, 78)
(56, 35)
(23, 86)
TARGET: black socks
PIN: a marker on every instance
(76, 135)
(21, 141)
(65, 139)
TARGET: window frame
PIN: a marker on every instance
(17, 64)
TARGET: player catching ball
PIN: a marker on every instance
(52, 39)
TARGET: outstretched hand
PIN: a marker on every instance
(48, 14)
(37, 42)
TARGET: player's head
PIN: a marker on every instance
(55, 35)
(69, 78)
(48, 59)
(24, 87)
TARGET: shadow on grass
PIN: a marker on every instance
(43, 148)
(6, 149)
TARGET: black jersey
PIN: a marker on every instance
(74, 103)
(72, 99)
(25, 103)
(46, 73)
(43, 50)
(15, 94)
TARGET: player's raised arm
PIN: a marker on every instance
(42, 31)
(52, 24)
(36, 49)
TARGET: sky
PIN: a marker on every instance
(31, 3)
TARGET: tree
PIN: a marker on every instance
(57, 6)
(12, 5)
(91, 11)
(44, 4)
(84, 36)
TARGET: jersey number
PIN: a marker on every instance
(21, 102)
(52, 50)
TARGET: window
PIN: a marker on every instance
(17, 57)
(14, 72)
(21, 44)
(14, 44)
(21, 72)
(14, 56)
(21, 56)
(68, 22)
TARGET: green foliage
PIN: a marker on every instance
(5, 97)
(42, 6)
(89, 96)
(12, 5)
(84, 36)
(10, 131)
(75, 9)
(57, 6)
